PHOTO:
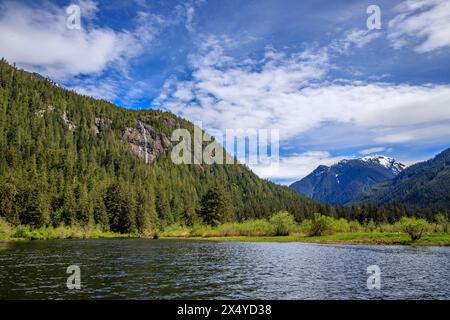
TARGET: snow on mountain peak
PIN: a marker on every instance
(386, 162)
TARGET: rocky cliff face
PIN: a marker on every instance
(146, 142)
(100, 124)
(143, 140)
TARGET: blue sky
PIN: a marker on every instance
(311, 69)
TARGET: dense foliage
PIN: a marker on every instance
(58, 168)
(64, 162)
(282, 223)
(414, 227)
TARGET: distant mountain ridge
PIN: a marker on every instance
(341, 183)
(423, 185)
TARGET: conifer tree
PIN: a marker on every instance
(215, 207)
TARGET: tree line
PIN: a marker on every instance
(53, 174)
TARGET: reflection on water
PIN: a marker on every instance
(171, 269)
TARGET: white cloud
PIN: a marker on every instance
(294, 167)
(374, 150)
(425, 21)
(37, 39)
(289, 93)
(424, 133)
(355, 38)
(187, 11)
(190, 12)
(104, 89)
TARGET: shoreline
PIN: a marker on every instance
(428, 240)
(361, 238)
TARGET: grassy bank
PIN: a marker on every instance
(10, 233)
(281, 228)
(321, 229)
(373, 238)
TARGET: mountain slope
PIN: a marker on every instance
(68, 158)
(343, 182)
(423, 185)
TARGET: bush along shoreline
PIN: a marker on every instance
(25, 232)
(281, 227)
(321, 229)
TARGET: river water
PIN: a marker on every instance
(175, 269)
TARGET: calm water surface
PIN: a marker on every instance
(172, 269)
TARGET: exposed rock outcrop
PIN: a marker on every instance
(171, 122)
(50, 109)
(42, 112)
(69, 123)
(145, 142)
(100, 124)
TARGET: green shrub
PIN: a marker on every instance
(283, 223)
(21, 232)
(442, 220)
(354, 226)
(176, 230)
(305, 226)
(320, 225)
(386, 227)
(259, 227)
(339, 225)
(200, 230)
(5, 229)
(370, 226)
(414, 227)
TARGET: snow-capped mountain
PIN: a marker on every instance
(386, 162)
(422, 185)
(341, 183)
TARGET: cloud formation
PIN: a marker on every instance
(293, 93)
(374, 150)
(229, 84)
(425, 23)
(37, 38)
(355, 38)
(296, 166)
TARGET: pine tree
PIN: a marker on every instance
(142, 213)
(215, 207)
(69, 206)
(163, 210)
(121, 208)
(35, 207)
(8, 210)
(84, 206)
(99, 210)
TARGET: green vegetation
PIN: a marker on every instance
(282, 223)
(65, 161)
(215, 207)
(320, 225)
(321, 229)
(442, 220)
(73, 164)
(369, 238)
(414, 227)
(24, 232)
(279, 228)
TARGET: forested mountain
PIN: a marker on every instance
(341, 183)
(423, 185)
(70, 159)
